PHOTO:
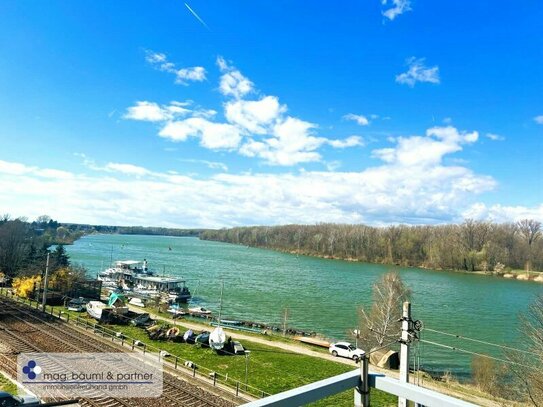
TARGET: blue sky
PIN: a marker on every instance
(371, 111)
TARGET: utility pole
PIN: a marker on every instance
(44, 298)
(404, 349)
(285, 317)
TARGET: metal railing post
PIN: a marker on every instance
(362, 391)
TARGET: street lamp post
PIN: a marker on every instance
(247, 353)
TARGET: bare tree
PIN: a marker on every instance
(528, 367)
(381, 323)
(530, 230)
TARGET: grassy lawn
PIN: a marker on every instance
(269, 369)
(7, 385)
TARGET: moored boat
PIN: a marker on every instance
(199, 311)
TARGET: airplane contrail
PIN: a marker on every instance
(197, 16)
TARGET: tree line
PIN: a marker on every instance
(131, 230)
(24, 247)
(470, 246)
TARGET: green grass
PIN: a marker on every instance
(7, 385)
(270, 369)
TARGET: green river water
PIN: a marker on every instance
(323, 295)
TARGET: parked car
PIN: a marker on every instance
(77, 304)
(9, 400)
(346, 350)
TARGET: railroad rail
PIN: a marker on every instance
(24, 329)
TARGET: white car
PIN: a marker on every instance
(346, 350)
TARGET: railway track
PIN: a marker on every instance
(25, 330)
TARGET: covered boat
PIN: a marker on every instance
(95, 308)
(217, 338)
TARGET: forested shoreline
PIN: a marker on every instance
(470, 246)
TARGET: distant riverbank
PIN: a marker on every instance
(472, 246)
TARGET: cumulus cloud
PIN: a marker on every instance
(182, 75)
(254, 115)
(418, 72)
(428, 150)
(358, 118)
(259, 127)
(396, 8)
(212, 135)
(539, 119)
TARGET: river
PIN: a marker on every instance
(324, 295)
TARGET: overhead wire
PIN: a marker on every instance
(479, 341)
(475, 353)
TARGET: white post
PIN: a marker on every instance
(285, 316)
(247, 353)
(404, 349)
(44, 298)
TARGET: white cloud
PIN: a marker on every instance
(390, 192)
(155, 57)
(494, 137)
(232, 82)
(428, 150)
(539, 119)
(197, 74)
(152, 112)
(291, 143)
(352, 141)
(254, 116)
(212, 135)
(360, 119)
(398, 7)
(182, 75)
(503, 213)
(418, 72)
(258, 128)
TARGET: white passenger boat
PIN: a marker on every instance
(133, 275)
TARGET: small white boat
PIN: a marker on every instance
(199, 311)
(95, 308)
(176, 311)
(137, 302)
(217, 338)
